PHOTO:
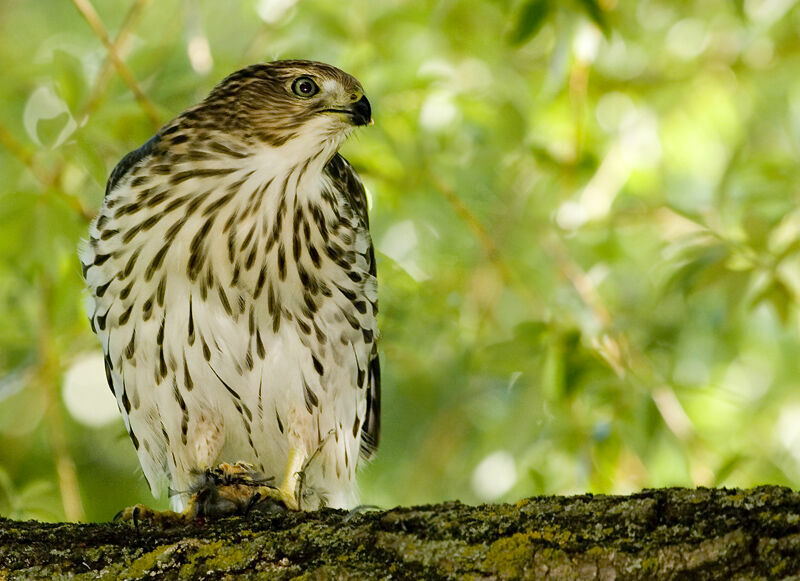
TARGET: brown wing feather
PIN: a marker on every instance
(347, 181)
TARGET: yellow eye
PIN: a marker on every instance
(304, 87)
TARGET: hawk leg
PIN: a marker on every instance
(289, 491)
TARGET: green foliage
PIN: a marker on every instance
(532, 17)
(585, 214)
(27, 503)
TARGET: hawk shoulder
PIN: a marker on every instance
(127, 163)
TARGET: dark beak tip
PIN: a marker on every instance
(362, 112)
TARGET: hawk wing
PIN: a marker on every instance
(346, 181)
(130, 160)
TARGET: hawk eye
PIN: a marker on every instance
(304, 87)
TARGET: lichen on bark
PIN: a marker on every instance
(656, 534)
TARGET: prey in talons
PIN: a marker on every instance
(228, 489)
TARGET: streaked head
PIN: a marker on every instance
(277, 101)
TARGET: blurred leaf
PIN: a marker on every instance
(13, 382)
(596, 14)
(739, 6)
(777, 294)
(528, 342)
(29, 502)
(701, 265)
(69, 78)
(50, 129)
(531, 18)
(722, 473)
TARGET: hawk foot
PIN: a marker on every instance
(140, 514)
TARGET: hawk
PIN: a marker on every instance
(232, 285)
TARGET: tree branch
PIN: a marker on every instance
(701, 534)
(89, 14)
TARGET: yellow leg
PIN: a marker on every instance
(289, 487)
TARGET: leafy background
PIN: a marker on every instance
(586, 216)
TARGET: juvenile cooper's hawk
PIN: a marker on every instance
(232, 282)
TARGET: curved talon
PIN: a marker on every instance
(129, 513)
(135, 516)
(360, 509)
(255, 499)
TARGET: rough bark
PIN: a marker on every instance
(656, 534)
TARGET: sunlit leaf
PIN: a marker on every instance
(47, 118)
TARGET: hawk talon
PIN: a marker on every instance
(255, 499)
(360, 509)
(135, 517)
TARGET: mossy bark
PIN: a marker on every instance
(656, 534)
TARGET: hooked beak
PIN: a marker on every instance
(359, 113)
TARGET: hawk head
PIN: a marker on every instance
(279, 101)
